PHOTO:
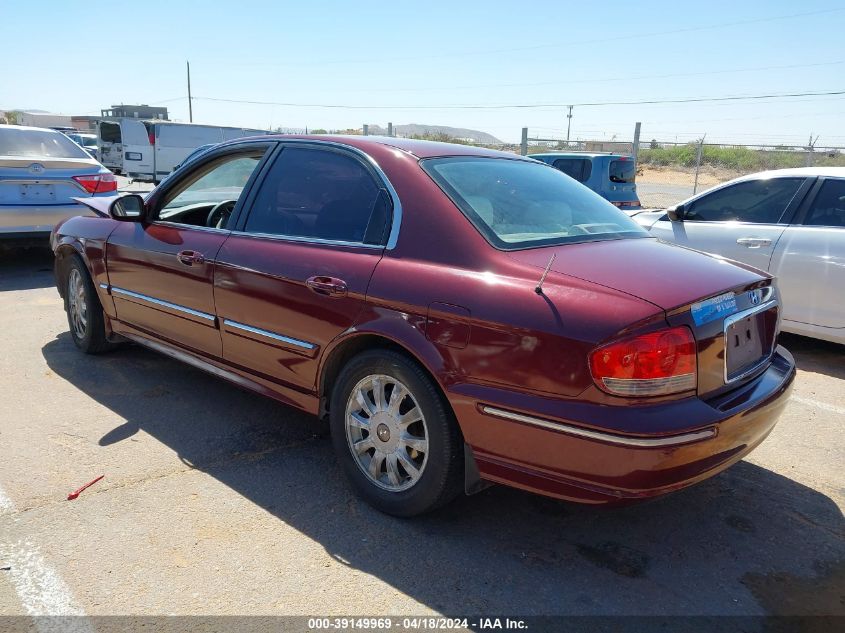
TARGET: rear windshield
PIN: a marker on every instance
(88, 140)
(110, 132)
(622, 171)
(519, 204)
(38, 144)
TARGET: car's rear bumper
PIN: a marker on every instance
(36, 220)
(555, 450)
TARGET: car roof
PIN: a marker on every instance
(418, 148)
(29, 128)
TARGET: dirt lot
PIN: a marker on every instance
(216, 501)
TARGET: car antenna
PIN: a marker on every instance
(539, 288)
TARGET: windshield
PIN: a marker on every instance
(38, 144)
(622, 171)
(520, 204)
(88, 140)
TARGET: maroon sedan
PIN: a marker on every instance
(460, 315)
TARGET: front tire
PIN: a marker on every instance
(84, 311)
(394, 434)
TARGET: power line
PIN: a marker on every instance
(528, 105)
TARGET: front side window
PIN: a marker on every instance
(216, 185)
(320, 194)
(38, 144)
(828, 209)
(520, 204)
(758, 201)
(577, 168)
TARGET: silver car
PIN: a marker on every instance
(41, 172)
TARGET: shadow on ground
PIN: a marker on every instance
(26, 268)
(819, 357)
(747, 542)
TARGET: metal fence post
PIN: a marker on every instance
(523, 147)
(636, 147)
(698, 164)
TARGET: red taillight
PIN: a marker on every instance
(98, 183)
(653, 364)
(152, 138)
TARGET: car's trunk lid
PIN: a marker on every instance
(28, 181)
(666, 275)
(707, 293)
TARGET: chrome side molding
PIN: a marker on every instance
(160, 302)
(610, 438)
(267, 334)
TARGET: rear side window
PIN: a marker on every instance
(38, 144)
(828, 208)
(524, 204)
(320, 194)
(758, 201)
(622, 170)
(577, 168)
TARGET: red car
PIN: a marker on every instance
(460, 315)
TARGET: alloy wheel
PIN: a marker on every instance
(77, 306)
(386, 432)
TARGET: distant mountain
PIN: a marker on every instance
(412, 129)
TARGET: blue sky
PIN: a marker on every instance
(403, 61)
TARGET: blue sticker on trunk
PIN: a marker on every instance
(714, 308)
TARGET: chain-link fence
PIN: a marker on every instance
(668, 172)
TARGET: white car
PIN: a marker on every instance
(789, 222)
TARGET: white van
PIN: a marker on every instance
(150, 150)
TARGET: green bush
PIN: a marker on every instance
(741, 159)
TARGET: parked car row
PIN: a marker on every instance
(461, 316)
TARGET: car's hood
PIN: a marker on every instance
(663, 274)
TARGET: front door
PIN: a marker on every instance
(161, 273)
(294, 275)
(743, 221)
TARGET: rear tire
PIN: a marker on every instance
(394, 434)
(85, 317)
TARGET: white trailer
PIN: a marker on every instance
(150, 150)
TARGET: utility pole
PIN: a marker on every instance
(636, 145)
(810, 149)
(190, 104)
(523, 145)
(568, 125)
(390, 129)
(698, 162)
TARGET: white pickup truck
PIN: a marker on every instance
(149, 150)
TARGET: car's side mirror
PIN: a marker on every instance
(676, 213)
(129, 208)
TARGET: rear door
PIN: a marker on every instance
(809, 260)
(742, 221)
(137, 148)
(161, 273)
(294, 275)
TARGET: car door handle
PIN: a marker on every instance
(189, 258)
(329, 286)
(754, 242)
